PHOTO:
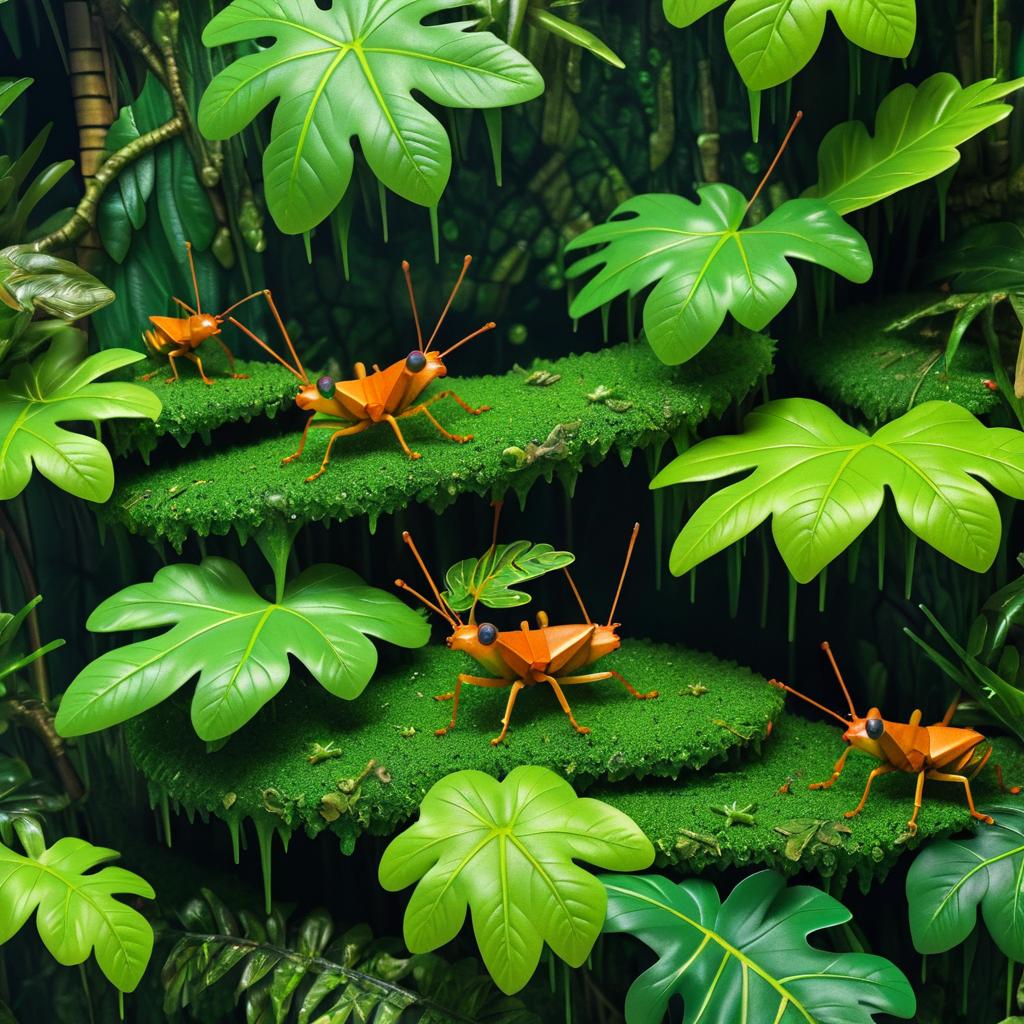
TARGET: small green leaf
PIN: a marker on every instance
(59, 387)
(507, 850)
(822, 482)
(771, 40)
(490, 579)
(707, 265)
(76, 912)
(917, 132)
(952, 880)
(11, 89)
(747, 960)
(34, 281)
(351, 71)
(237, 642)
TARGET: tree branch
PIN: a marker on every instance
(37, 717)
(85, 213)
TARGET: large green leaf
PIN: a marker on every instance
(707, 265)
(748, 960)
(236, 641)
(34, 281)
(58, 388)
(917, 131)
(823, 482)
(507, 850)
(771, 40)
(351, 71)
(986, 258)
(490, 579)
(952, 880)
(75, 907)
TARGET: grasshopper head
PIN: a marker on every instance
(318, 397)
(418, 370)
(204, 325)
(480, 643)
(864, 733)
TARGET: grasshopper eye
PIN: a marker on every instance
(325, 385)
(415, 362)
(874, 727)
(487, 634)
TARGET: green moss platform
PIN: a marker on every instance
(688, 834)
(270, 771)
(246, 486)
(193, 408)
(859, 364)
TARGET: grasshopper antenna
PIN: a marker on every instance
(496, 505)
(469, 337)
(266, 348)
(195, 281)
(287, 337)
(778, 156)
(579, 600)
(412, 302)
(452, 615)
(839, 675)
(402, 585)
(622, 578)
(820, 707)
(466, 260)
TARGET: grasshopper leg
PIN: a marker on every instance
(944, 777)
(882, 769)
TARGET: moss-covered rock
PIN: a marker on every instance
(192, 408)
(618, 398)
(801, 829)
(880, 373)
(298, 764)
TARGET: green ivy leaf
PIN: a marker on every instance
(351, 71)
(747, 960)
(236, 641)
(823, 482)
(771, 40)
(707, 265)
(57, 388)
(34, 281)
(917, 131)
(76, 912)
(952, 880)
(490, 579)
(507, 850)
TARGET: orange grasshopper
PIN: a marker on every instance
(175, 336)
(922, 750)
(388, 395)
(525, 657)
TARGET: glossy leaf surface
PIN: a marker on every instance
(507, 851)
(491, 579)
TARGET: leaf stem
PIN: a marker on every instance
(771, 167)
(84, 216)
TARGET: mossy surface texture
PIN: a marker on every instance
(193, 408)
(246, 486)
(687, 833)
(265, 770)
(882, 373)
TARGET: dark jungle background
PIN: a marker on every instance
(678, 115)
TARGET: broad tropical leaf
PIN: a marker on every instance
(59, 387)
(491, 579)
(951, 881)
(706, 264)
(771, 40)
(351, 71)
(748, 960)
(75, 907)
(917, 131)
(985, 258)
(823, 482)
(34, 281)
(507, 850)
(236, 641)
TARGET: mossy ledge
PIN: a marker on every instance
(881, 374)
(688, 834)
(193, 408)
(643, 404)
(265, 773)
